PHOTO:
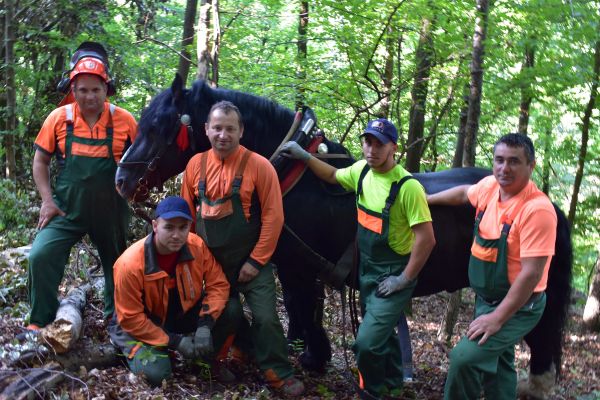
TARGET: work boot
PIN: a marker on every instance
(31, 331)
(221, 373)
(292, 387)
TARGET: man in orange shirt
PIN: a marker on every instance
(88, 138)
(236, 200)
(514, 235)
(169, 292)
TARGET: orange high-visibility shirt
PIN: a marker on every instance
(259, 176)
(52, 136)
(533, 232)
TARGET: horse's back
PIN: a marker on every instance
(446, 268)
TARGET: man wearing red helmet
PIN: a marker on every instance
(88, 137)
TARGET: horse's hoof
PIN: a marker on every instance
(309, 363)
(537, 387)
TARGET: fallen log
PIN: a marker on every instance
(89, 355)
(66, 329)
(32, 383)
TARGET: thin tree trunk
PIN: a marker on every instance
(424, 56)
(216, 42)
(203, 44)
(191, 7)
(462, 128)
(11, 100)
(591, 312)
(526, 96)
(479, 36)
(585, 130)
(302, 55)
(546, 166)
(388, 74)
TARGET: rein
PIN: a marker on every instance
(143, 183)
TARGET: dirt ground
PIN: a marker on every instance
(580, 370)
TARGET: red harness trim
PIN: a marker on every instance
(299, 166)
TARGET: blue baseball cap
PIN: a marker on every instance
(173, 207)
(383, 130)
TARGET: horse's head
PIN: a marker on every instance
(164, 143)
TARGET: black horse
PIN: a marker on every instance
(322, 217)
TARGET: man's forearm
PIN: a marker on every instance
(424, 243)
(520, 291)
(452, 197)
(322, 170)
(41, 177)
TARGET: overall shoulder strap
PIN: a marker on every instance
(202, 179)
(363, 173)
(69, 113)
(394, 190)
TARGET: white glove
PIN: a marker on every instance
(392, 284)
(293, 150)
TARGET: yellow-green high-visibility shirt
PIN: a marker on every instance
(409, 209)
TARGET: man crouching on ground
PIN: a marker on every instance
(169, 292)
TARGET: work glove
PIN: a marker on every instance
(293, 150)
(392, 284)
(203, 341)
(186, 348)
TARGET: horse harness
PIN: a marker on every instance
(184, 138)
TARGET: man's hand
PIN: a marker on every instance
(247, 273)
(203, 344)
(392, 284)
(293, 150)
(48, 210)
(187, 348)
(485, 326)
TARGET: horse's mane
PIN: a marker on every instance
(265, 121)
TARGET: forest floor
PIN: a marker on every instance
(579, 381)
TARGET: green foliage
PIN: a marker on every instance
(348, 45)
(15, 217)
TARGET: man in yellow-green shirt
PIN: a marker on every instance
(395, 237)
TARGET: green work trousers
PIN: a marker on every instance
(268, 339)
(490, 366)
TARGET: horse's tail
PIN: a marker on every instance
(546, 339)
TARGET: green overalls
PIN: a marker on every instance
(154, 362)
(85, 191)
(377, 350)
(490, 366)
(231, 238)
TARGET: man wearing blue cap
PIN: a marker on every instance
(395, 237)
(169, 292)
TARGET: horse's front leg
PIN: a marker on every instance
(303, 299)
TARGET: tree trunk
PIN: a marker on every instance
(546, 166)
(424, 56)
(472, 127)
(216, 42)
(526, 88)
(591, 313)
(11, 101)
(191, 6)
(585, 130)
(452, 309)
(203, 45)
(302, 55)
(462, 128)
(388, 73)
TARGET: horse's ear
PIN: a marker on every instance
(177, 88)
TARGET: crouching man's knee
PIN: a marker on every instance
(153, 364)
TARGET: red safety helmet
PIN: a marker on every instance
(89, 58)
(90, 65)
